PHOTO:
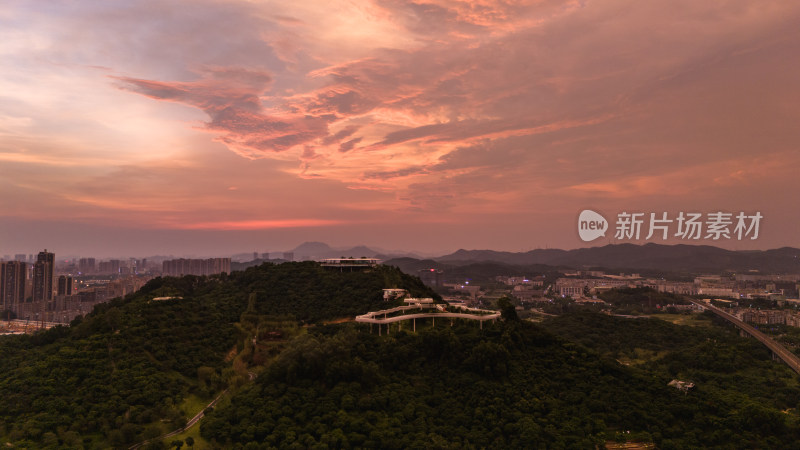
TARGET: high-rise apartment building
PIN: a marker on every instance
(111, 266)
(64, 285)
(43, 276)
(86, 265)
(211, 266)
(13, 275)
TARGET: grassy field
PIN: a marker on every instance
(641, 356)
(192, 405)
(194, 432)
(692, 320)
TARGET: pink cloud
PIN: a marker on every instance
(585, 94)
(257, 224)
(231, 98)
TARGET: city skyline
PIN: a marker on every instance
(226, 127)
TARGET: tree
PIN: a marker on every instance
(190, 441)
(114, 318)
(507, 310)
(207, 376)
(177, 443)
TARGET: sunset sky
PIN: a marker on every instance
(214, 127)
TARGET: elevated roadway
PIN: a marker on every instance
(777, 349)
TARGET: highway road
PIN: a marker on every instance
(777, 349)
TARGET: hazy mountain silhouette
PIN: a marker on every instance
(649, 256)
(321, 250)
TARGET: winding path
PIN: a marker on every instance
(188, 425)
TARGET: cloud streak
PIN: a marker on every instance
(258, 224)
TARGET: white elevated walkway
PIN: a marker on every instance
(400, 313)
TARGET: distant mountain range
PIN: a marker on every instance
(321, 250)
(675, 258)
(629, 257)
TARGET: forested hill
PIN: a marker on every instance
(512, 385)
(138, 367)
(135, 367)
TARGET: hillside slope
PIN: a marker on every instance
(510, 385)
(124, 373)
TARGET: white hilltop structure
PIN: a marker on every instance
(390, 294)
(350, 264)
(422, 308)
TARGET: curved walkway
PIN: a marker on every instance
(481, 315)
(777, 349)
(427, 315)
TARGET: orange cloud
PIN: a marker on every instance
(741, 173)
(257, 224)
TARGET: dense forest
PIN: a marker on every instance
(513, 385)
(640, 300)
(298, 374)
(123, 373)
(733, 371)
